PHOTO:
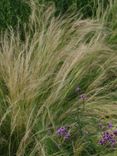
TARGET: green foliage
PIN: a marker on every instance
(13, 12)
(88, 8)
(16, 12)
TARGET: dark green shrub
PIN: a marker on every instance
(13, 12)
(88, 8)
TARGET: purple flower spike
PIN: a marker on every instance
(83, 97)
(67, 136)
(63, 132)
(107, 139)
(102, 142)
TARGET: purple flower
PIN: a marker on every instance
(63, 132)
(83, 97)
(67, 136)
(107, 139)
(102, 142)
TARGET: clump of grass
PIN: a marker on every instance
(39, 76)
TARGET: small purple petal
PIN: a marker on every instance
(67, 136)
(61, 131)
(102, 142)
(83, 97)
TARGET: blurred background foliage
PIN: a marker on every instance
(13, 12)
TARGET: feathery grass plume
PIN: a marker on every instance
(38, 77)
